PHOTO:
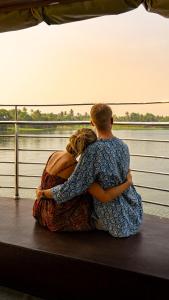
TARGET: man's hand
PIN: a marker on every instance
(39, 193)
(43, 194)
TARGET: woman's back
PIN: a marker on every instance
(74, 215)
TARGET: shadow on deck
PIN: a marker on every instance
(81, 265)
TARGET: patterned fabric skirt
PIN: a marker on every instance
(73, 215)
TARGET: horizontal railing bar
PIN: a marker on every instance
(152, 188)
(7, 135)
(27, 188)
(54, 150)
(49, 150)
(44, 136)
(7, 187)
(139, 186)
(137, 155)
(150, 172)
(7, 162)
(150, 156)
(7, 175)
(21, 175)
(84, 104)
(23, 163)
(23, 149)
(37, 150)
(34, 176)
(8, 149)
(83, 123)
(159, 203)
(20, 187)
(133, 170)
(29, 176)
(145, 140)
(46, 122)
(149, 187)
(32, 163)
(66, 137)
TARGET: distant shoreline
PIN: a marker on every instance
(75, 127)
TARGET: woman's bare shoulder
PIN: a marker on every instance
(59, 161)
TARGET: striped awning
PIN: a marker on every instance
(20, 14)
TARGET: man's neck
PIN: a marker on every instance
(105, 134)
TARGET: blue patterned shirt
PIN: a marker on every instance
(107, 162)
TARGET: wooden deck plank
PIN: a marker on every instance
(67, 259)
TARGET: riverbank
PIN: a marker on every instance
(35, 130)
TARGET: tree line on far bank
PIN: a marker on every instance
(37, 115)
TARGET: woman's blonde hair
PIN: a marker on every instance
(79, 141)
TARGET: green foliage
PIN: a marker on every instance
(136, 117)
(37, 115)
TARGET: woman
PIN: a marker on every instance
(76, 214)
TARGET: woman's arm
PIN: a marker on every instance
(111, 193)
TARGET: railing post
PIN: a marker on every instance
(16, 156)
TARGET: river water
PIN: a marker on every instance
(143, 147)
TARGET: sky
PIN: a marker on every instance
(123, 58)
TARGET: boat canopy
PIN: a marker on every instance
(20, 14)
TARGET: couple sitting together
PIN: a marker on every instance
(95, 192)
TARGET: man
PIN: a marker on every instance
(107, 162)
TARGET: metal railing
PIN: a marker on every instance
(17, 149)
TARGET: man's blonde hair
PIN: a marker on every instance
(101, 115)
(79, 141)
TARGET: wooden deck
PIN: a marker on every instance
(81, 265)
